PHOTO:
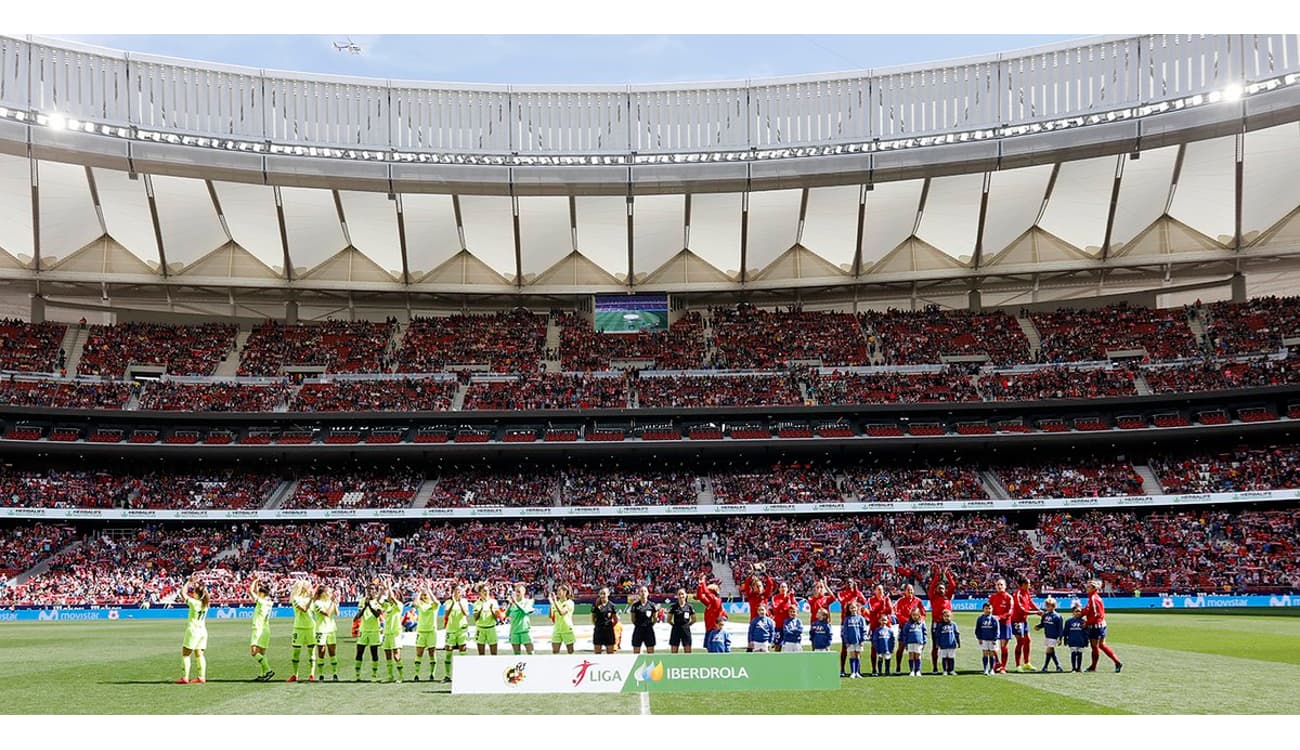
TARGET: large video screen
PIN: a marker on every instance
(631, 313)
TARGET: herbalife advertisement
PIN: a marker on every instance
(653, 673)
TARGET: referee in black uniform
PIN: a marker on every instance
(682, 616)
(603, 617)
(644, 615)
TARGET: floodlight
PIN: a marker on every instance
(1232, 92)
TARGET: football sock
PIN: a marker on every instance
(853, 665)
(419, 663)
(399, 670)
(185, 662)
(844, 654)
(334, 666)
(1004, 654)
(1106, 650)
(357, 665)
(1094, 657)
(446, 665)
(296, 659)
(934, 659)
(392, 671)
(262, 664)
(203, 667)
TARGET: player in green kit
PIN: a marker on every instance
(426, 631)
(263, 607)
(520, 611)
(325, 609)
(562, 616)
(486, 615)
(371, 609)
(304, 627)
(196, 630)
(456, 622)
(392, 606)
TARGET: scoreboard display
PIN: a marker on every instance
(631, 313)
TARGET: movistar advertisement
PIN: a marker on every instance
(631, 313)
(654, 673)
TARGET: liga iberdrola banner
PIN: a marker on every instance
(645, 673)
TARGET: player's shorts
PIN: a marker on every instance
(330, 638)
(302, 637)
(1004, 631)
(760, 647)
(486, 636)
(391, 641)
(1020, 628)
(947, 653)
(196, 639)
(519, 639)
(602, 637)
(563, 636)
(680, 636)
(894, 629)
(853, 648)
(822, 649)
(1077, 649)
(1097, 631)
(261, 636)
(881, 648)
(644, 636)
(370, 638)
(791, 647)
(1052, 642)
(456, 638)
(426, 639)
(915, 648)
(988, 645)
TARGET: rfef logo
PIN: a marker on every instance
(515, 675)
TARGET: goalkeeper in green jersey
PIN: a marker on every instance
(196, 630)
(486, 614)
(304, 627)
(562, 616)
(263, 607)
(455, 621)
(520, 613)
(426, 631)
(370, 610)
(325, 611)
(392, 607)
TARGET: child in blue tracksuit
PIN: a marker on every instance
(1076, 638)
(762, 631)
(948, 639)
(792, 633)
(987, 632)
(717, 641)
(820, 631)
(914, 640)
(852, 634)
(882, 640)
(1053, 626)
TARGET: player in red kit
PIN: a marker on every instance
(822, 598)
(1003, 607)
(782, 602)
(1094, 614)
(942, 589)
(708, 596)
(757, 589)
(878, 609)
(846, 596)
(1022, 606)
(903, 611)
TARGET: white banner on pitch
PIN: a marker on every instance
(542, 673)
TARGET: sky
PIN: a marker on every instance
(571, 59)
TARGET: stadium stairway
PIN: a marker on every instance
(229, 367)
(704, 492)
(41, 566)
(1031, 333)
(74, 341)
(726, 580)
(1150, 483)
(552, 345)
(993, 485)
(1034, 539)
(458, 401)
(1197, 324)
(1140, 383)
(281, 493)
(424, 494)
(887, 550)
(878, 356)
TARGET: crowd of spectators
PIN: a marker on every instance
(583, 348)
(1258, 325)
(31, 347)
(918, 337)
(481, 486)
(212, 397)
(180, 350)
(612, 486)
(504, 342)
(23, 546)
(802, 551)
(949, 385)
(977, 548)
(792, 482)
(1209, 375)
(71, 488)
(550, 390)
(387, 487)
(923, 484)
(1097, 477)
(1273, 468)
(335, 345)
(749, 338)
(64, 394)
(697, 391)
(407, 394)
(1086, 335)
(1058, 383)
(227, 489)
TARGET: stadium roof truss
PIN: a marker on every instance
(105, 185)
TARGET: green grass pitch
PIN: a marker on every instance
(1174, 663)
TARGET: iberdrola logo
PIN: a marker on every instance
(650, 673)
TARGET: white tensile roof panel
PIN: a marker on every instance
(431, 234)
(1270, 188)
(1206, 196)
(68, 220)
(1080, 202)
(891, 214)
(311, 222)
(773, 225)
(658, 223)
(490, 231)
(545, 233)
(190, 226)
(1015, 197)
(250, 216)
(830, 223)
(715, 229)
(1143, 193)
(602, 231)
(16, 235)
(952, 214)
(126, 213)
(372, 225)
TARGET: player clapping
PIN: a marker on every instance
(519, 612)
(260, 640)
(325, 611)
(371, 612)
(562, 616)
(196, 629)
(426, 631)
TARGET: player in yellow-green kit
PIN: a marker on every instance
(263, 608)
(392, 606)
(562, 616)
(520, 613)
(455, 621)
(370, 610)
(304, 627)
(486, 615)
(325, 610)
(426, 631)
(196, 630)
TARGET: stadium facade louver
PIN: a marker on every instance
(1127, 165)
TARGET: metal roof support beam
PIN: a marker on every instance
(36, 213)
(157, 229)
(744, 234)
(1047, 192)
(1114, 203)
(978, 256)
(920, 206)
(862, 222)
(1239, 180)
(343, 220)
(514, 220)
(1173, 179)
(216, 205)
(631, 263)
(401, 243)
(284, 235)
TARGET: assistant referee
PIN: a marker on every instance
(682, 616)
(645, 614)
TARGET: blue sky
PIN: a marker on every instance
(571, 59)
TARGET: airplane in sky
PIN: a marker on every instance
(348, 46)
